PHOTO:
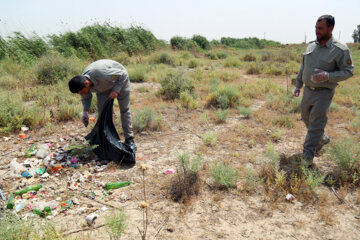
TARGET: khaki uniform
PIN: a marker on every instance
(108, 75)
(334, 58)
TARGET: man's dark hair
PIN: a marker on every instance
(330, 20)
(77, 83)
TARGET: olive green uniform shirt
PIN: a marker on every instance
(334, 58)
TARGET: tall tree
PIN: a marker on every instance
(356, 34)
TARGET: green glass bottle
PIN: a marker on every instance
(10, 203)
(116, 185)
(35, 187)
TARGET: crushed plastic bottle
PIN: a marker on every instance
(32, 150)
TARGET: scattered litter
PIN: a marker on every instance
(22, 135)
(170, 171)
(30, 188)
(2, 196)
(24, 129)
(104, 208)
(116, 185)
(289, 197)
(26, 174)
(90, 219)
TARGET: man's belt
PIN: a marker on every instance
(318, 88)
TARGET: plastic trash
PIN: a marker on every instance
(10, 202)
(31, 151)
(57, 167)
(40, 171)
(22, 135)
(42, 151)
(45, 212)
(90, 219)
(65, 205)
(24, 129)
(2, 196)
(26, 174)
(105, 136)
(35, 187)
(116, 185)
(170, 171)
(16, 169)
(289, 197)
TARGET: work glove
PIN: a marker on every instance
(85, 118)
(320, 76)
(296, 92)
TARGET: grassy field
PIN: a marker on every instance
(213, 81)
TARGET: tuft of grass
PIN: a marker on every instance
(209, 138)
(277, 134)
(172, 85)
(186, 100)
(225, 175)
(193, 63)
(137, 73)
(249, 58)
(225, 96)
(245, 111)
(221, 115)
(314, 177)
(232, 62)
(115, 224)
(146, 119)
(284, 121)
(164, 58)
(254, 68)
(186, 181)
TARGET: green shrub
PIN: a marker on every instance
(248, 43)
(209, 138)
(283, 121)
(193, 63)
(345, 152)
(225, 96)
(142, 119)
(221, 55)
(187, 101)
(232, 62)
(137, 73)
(314, 177)
(201, 42)
(178, 43)
(53, 68)
(276, 135)
(249, 58)
(214, 84)
(115, 224)
(334, 107)
(245, 111)
(164, 58)
(221, 115)
(224, 175)
(174, 84)
(254, 69)
(211, 55)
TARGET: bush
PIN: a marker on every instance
(193, 63)
(209, 138)
(221, 55)
(224, 175)
(187, 101)
(137, 73)
(53, 68)
(232, 62)
(174, 84)
(226, 96)
(178, 43)
(142, 119)
(211, 55)
(283, 121)
(249, 58)
(245, 111)
(254, 69)
(186, 182)
(201, 42)
(248, 43)
(221, 115)
(164, 58)
(345, 152)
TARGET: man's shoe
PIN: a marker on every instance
(325, 140)
(130, 141)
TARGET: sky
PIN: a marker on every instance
(286, 21)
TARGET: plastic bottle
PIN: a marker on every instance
(10, 203)
(116, 185)
(35, 187)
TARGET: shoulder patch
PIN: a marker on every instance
(349, 62)
(340, 45)
(113, 77)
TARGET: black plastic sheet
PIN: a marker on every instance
(104, 135)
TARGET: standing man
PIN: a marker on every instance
(325, 62)
(108, 79)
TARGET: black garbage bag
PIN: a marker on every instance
(106, 137)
